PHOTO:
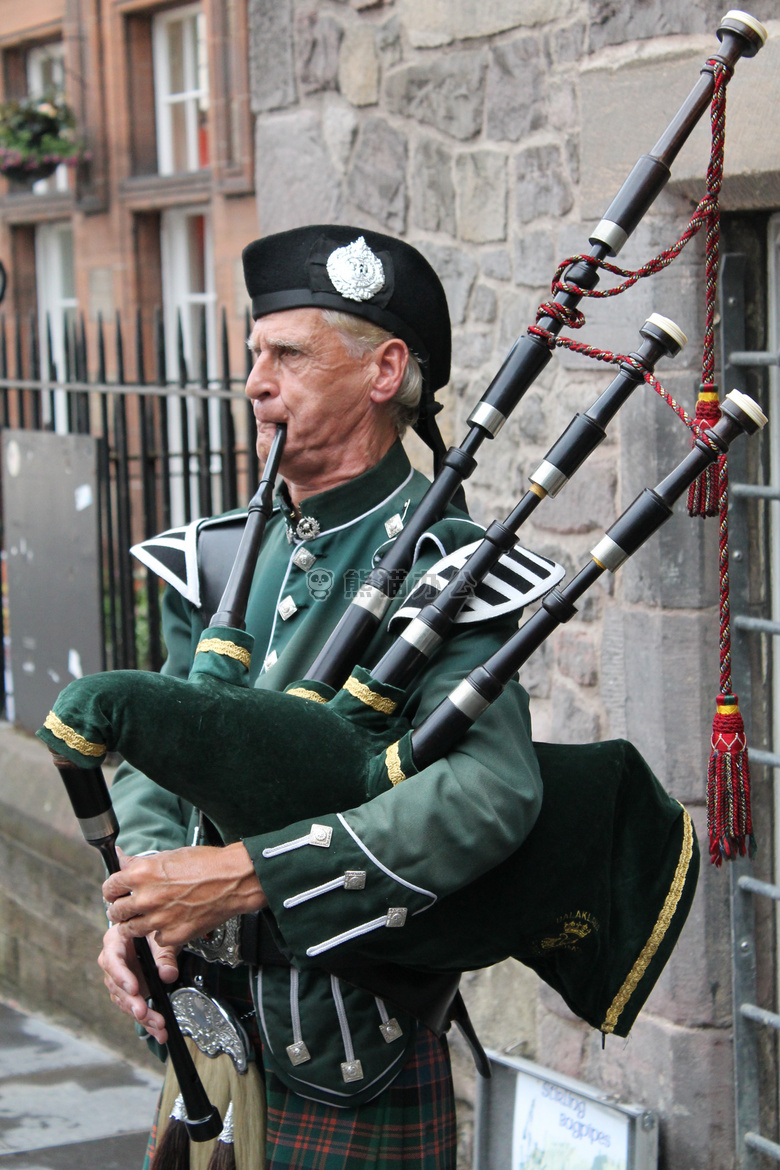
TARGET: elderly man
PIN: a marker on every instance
(351, 335)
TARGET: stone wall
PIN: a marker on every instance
(493, 136)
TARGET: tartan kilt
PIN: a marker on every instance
(411, 1124)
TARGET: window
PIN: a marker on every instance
(181, 90)
(189, 296)
(57, 304)
(46, 78)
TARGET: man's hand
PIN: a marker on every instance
(180, 894)
(122, 976)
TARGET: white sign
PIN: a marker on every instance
(557, 1129)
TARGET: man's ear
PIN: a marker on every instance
(389, 363)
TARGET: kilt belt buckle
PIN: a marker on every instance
(220, 945)
(211, 1024)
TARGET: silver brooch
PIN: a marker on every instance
(355, 271)
(306, 529)
(211, 1025)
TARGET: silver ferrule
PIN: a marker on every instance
(549, 477)
(422, 637)
(486, 416)
(99, 827)
(372, 599)
(608, 554)
(609, 233)
(468, 700)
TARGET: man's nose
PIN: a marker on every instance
(262, 378)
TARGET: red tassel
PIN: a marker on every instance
(704, 492)
(728, 789)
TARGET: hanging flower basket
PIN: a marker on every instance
(36, 136)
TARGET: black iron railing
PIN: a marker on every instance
(169, 449)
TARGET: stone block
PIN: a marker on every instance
(339, 129)
(447, 92)
(576, 657)
(573, 720)
(376, 181)
(658, 680)
(685, 1075)
(388, 42)
(271, 61)
(534, 259)
(295, 180)
(433, 190)
(516, 312)
(457, 272)
(359, 66)
(439, 22)
(481, 195)
(587, 503)
(517, 91)
(471, 349)
(566, 44)
(542, 185)
(677, 568)
(636, 20)
(496, 264)
(638, 91)
(318, 38)
(483, 304)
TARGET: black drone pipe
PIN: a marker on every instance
(232, 606)
(424, 633)
(740, 36)
(438, 733)
(91, 802)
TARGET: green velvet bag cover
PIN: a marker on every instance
(594, 900)
(228, 748)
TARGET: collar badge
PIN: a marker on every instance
(306, 529)
(355, 271)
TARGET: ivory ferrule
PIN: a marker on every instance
(486, 416)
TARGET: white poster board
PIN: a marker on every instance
(558, 1129)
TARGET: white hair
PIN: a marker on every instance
(360, 337)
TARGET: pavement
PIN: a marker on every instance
(67, 1103)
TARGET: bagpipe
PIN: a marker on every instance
(596, 896)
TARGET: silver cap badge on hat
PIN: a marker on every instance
(355, 271)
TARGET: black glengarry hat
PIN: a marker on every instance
(354, 270)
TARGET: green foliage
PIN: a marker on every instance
(37, 135)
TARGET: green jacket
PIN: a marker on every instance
(414, 844)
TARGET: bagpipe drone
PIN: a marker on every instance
(619, 855)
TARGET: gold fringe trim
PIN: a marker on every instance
(377, 702)
(660, 929)
(72, 738)
(305, 693)
(393, 761)
(229, 649)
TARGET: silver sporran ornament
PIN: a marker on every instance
(355, 271)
